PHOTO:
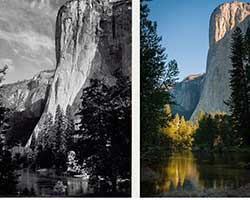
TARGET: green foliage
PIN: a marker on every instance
(105, 130)
(239, 102)
(156, 77)
(214, 132)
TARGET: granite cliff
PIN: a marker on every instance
(92, 40)
(223, 21)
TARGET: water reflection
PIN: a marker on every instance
(186, 172)
(179, 173)
(43, 183)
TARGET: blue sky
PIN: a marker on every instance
(184, 26)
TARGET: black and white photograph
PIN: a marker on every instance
(65, 98)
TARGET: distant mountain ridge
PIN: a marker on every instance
(28, 95)
(187, 95)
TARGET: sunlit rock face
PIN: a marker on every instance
(187, 95)
(223, 21)
(93, 40)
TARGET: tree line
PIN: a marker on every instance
(156, 77)
(239, 102)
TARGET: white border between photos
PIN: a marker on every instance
(135, 99)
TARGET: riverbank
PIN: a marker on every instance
(243, 191)
(157, 153)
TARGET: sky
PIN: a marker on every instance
(184, 27)
(27, 32)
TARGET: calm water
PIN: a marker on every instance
(188, 173)
(43, 183)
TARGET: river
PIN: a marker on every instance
(43, 183)
(189, 174)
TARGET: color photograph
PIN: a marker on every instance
(195, 98)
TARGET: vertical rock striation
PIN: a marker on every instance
(223, 21)
(93, 39)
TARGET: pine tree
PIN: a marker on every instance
(247, 72)
(214, 131)
(155, 79)
(105, 129)
(70, 130)
(239, 100)
(8, 176)
(45, 143)
(60, 135)
(247, 59)
(60, 127)
(46, 138)
(204, 135)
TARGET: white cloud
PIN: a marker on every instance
(32, 40)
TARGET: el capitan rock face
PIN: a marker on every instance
(223, 21)
(93, 39)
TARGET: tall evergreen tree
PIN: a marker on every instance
(8, 176)
(247, 72)
(105, 129)
(239, 100)
(70, 130)
(247, 59)
(46, 137)
(60, 135)
(60, 127)
(156, 78)
(45, 143)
